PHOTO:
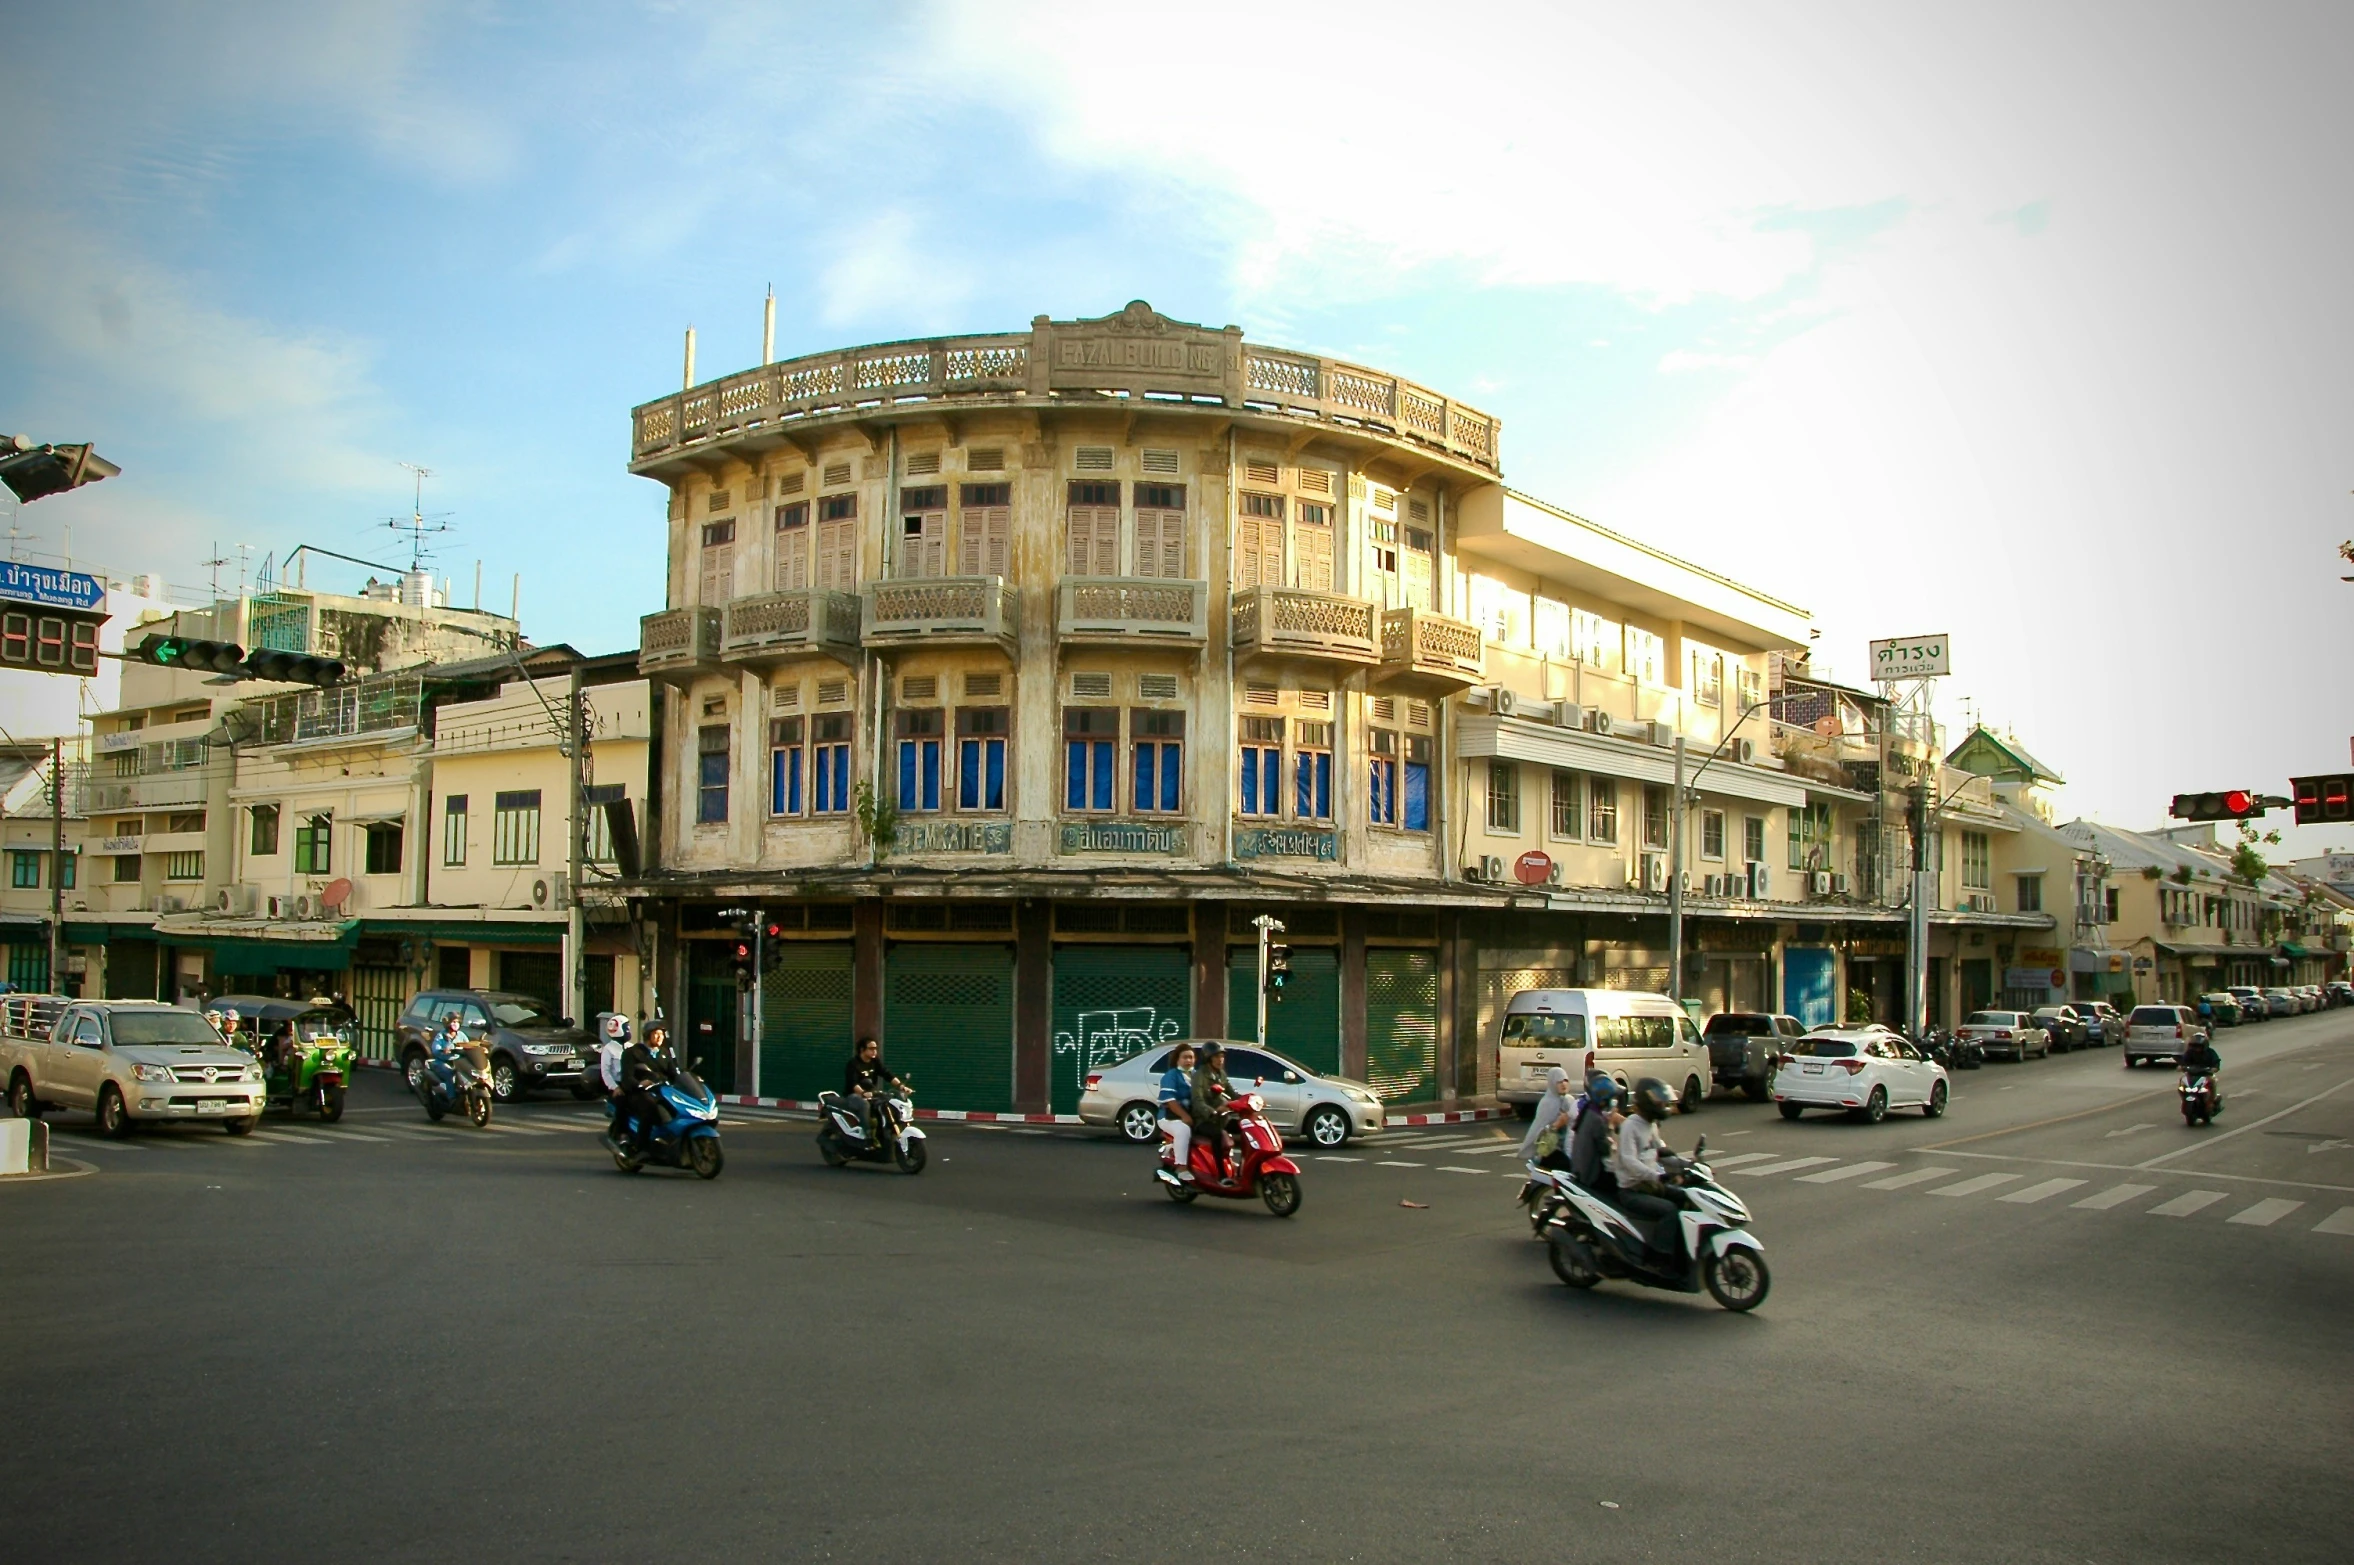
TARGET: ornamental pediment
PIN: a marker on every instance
(1112, 350)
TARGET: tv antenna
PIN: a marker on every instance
(417, 525)
(214, 565)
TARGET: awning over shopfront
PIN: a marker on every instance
(256, 956)
(2206, 953)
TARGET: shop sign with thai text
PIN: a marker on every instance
(1283, 842)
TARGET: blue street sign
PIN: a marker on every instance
(51, 589)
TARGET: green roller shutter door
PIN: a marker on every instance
(1402, 1025)
(805, 1021)
(709, 1048)
(948, 1023)
(1305, 1024)
(1111, 1002)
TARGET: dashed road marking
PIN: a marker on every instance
(1444, 1169)
(1332, 1157)
(2044, 1191)
(1973, 1186)
(2115, 1195)
(2264, 1213)
(1832, 1176)
(1787, 1164)
(2187, 1203)
(1917, 1176)
(1393, 1164)
(2340, 1221)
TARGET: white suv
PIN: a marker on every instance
(2159, 1033)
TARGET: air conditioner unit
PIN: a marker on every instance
(1654, 872)
(277, 907)
(1743, 751)
(539, 893)
(1979, 902)
(1553, 874)
(306, 907)
(1503, 702)
(1471, 873)
(1685, 879)
(1838, 884)
(233, 901)
(1600, 722)
(1761, 881)
(1714, 886)
(1491, 870)
(168, 903)
(1819, 882)
(1660, 734)
(1569, 716)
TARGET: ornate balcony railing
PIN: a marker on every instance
(678, 643)
(777, 626)
(942, 610)
(1290, 622)
(1132, 610)
(167, 791)
(1429, 650)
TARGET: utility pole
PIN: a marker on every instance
(57, 866)
(1675, 885)
(1916, 967)
(575, 923)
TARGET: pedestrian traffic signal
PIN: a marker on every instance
(2232, 804)
(205, 657)
(294, 668)
(2323, 798)
(1278, 969)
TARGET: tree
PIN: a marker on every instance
(2247, 859)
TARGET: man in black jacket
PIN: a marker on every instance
(643, 1065)
(869, 1080)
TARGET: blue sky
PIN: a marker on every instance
(2019, 322)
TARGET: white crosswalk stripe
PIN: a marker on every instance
(1973, 1186)
(2340, 1221)
(1740, 1158)
(310, 1136)
(1444, 1169)
(2265, 1213)
(1832, 1176)
(1917, 1176)
(354, 1135)
(1786, 1165)
(2044, 1191)
(2187, 1203)
(2115, 1195)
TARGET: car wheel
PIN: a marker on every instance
(21, 1101)
(1754, 1088)
(1327, 1127)
(1140, 1124)
(1695, 1094)
(506, 1083)
(413, 1067)
(1791, 1110)
(1875, 1107)
(114, 1116)
(1936, 1104)
(243, 1127)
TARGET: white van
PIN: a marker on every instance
(1631, 1035)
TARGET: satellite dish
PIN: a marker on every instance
(1827, 725)
(338, 892)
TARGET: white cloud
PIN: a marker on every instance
(884, 269)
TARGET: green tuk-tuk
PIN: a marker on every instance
(305, 1048)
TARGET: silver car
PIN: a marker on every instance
(1328, 1110)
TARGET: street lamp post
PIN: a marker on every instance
(1687, 789)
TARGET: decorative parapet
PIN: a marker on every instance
(777, 626)
(678, 643)
(1136, 353)
(1287, 621)
(1133, 610)
(1429, 650)
(942, 610)
(171, 790)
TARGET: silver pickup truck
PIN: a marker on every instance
(124, 1061)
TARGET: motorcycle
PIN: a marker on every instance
(1954, 1053)
(842, 1137)
(1589, 1239)
(466, 1088)
(689, 1138)
(2202, 1100)
(306, 1064)
(1255, 1164)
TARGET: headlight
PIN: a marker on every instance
(252, 1073)
(1357, 1095)
(151, 1073)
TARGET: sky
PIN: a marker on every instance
(2026, 324)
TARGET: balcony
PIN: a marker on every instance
(1132, 611)
(1428, 654)
(1287, 623)
(943, 611)
(779, 627)
(168, 791)
(678, 644)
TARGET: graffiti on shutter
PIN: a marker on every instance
(1111, 1002)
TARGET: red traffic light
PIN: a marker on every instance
(2238, 801)
(2232, 804)
(743, 953)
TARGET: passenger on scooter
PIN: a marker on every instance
(611, 1046)
(1590, 1138)
(868, 1079)
(1213, 1097)
(442, 1049)
(1552, 1116)
(1639, 1166)
(1177, 1108)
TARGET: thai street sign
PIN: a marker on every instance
(1911, 657)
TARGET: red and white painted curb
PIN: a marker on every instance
(1450, 1117)
(969, 1116)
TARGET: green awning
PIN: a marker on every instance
(253, 957)
(2291, 948)
(488, 932)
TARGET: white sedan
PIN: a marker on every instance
(1864, 1070)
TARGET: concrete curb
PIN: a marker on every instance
(969, 1116)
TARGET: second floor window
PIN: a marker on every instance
(1602, 809)
(1503, 796)
(918, 733)
(381, 841)
(1312, 773)
(453, 830)
(980, 757)
(1091, 735)
(126, 869)
(1159, 764)
(923, 531)
(312, 840)
(1312, 547)
(1258, 541)
(1712, 834)
(66, 868)
(1977, 861)
(514, 827)
(711, 766)
(1654, 816)
(1381, 777)
(1753, 838)
(984, 526)
(836, 568)
(792, 546)
(1810, 835)
(1160, 530)
(24, 870)
(719, 563)
(1262, 766)
(1092, 529)
(829, 764)
(1566, 805)
(262, 839)
(2030, 893)
(784, 766)
(1417, 800)
(183, 866)
(598, 849)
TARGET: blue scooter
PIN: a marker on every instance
(689, 1138)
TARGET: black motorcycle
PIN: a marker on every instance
(842, 1130)
(1954, 1053)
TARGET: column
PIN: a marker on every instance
(1033, 1004)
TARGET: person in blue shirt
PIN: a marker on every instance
(1177, 1107)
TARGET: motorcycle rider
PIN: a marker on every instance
(868, 1079)
(611, 1045)
(1639, 1166)
(1177, 1108)
(644, 1064)
(1590, 1138)
(1212, 1097)
(442, 1049)
(2200, 1059)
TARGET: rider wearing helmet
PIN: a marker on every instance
(1589, 1139)
(440, 1047)
(1639, 1167)
(612, 1043)
(644, 1065)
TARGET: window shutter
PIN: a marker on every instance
(719, 574)
(1160, 543)
(984, 543)
(837, 556)
(1315, 550)
(1095, 540)
(792, 560)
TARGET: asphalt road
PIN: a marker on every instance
(2092, 1335)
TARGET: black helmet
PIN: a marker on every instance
(1652, 1099)
(1601, 1091)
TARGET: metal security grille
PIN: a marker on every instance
(805, 1021)
(1402, 1025)
(28, 968)
(1111, 1002)
(948, 1023)
(709, 1046)
(377, 994)
(1305, 1023)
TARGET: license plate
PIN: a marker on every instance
(212, 1105)
(1812, 1068)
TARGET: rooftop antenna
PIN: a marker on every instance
(214, 565)
(417, 525)
(244, 555)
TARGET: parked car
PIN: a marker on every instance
(530, 1046)
(2105, 1020)
(2065, 1028)
(2160, 1033)
(2220, 1008)
(1328, 1110)
(132, 1061)
(2283, 1002)
(2315, 1000)
(1743, 1046)
(2341, 993)
(2012, 1034)
(1865, 1071)
(2253, 1006)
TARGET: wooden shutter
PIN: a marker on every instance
(792, 555)
(1418, 568)
(985, 543)
(719, 574)
(837, 555)
(1258, 551)
(1095, 540)
(1160, 543)
(923, 548)
(1315, 557)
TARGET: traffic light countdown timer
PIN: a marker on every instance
(2329, 798)
(49, 619)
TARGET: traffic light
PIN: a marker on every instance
(1278, 970)
(35, 472)
(205, 657)
(294, 668)
(2323, 798)
(741, 952)
(772, 948)
(2232, 804)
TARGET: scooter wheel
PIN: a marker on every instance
(1281, 1192)
(705, 1158)
(628, 1162)
(478, 1108)
(1573, 1263)
(1180, 1194)
(830, 1149)
(911, 1158)
(1737, 1279)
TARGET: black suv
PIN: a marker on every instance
(530, 1046)
(1742, 1046)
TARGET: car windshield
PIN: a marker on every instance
(1740, 1026)
(1531, 1027)
(162, 1026)
(1824, 1048)
(1992, 1019)
(2056, 1013)
(2153, 1016)
(521, 1013)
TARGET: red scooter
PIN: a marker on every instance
(1255, 1164)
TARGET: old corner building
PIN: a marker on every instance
(1011, 676)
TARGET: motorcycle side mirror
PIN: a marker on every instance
(564, 1021)
(1700, 1148)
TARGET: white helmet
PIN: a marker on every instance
(617, 1028)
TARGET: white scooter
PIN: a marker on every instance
(842, 1137)
(1589, 1239)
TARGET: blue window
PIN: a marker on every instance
(829, 769)
(1091, 736)
(711, 764)
(784, 766)
(1159, 760)
(1312, 773)
(1417, 810)
(1262, 766)
(919, 758)
(980, 757)
(1381, 778)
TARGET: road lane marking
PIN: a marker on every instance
(1787, 1165)
(1917, 1176)
(1331, 1157)
(517, 1130)
(1832, 1176)
(2208, 1141)
(265, 1138)
(1973, 1186)
(311, 1136)
(2340, 1221)
(350, 1135)
(2035, 1193)
(1739, 1158)
(2184, 1205)
(2127, 1131)
(83, 1139)
(1401, 1165)
(2264, 1213)
(1446, 1170)
(2115, 1195)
